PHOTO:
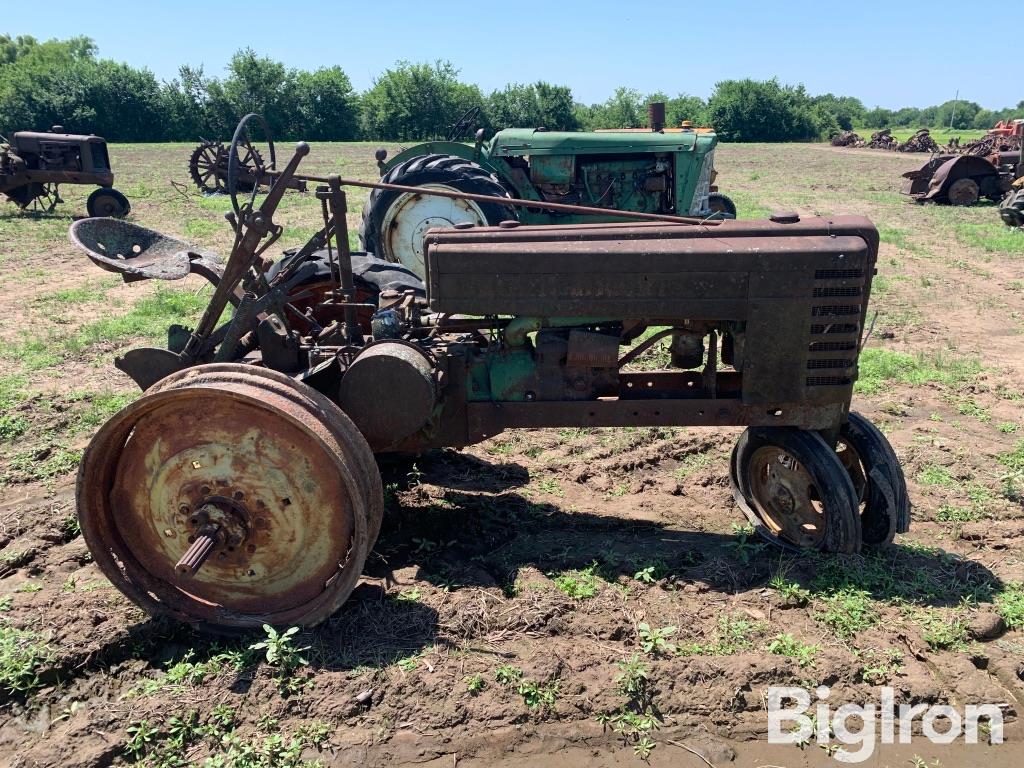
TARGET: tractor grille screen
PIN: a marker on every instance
(844, 289)
(100, 162)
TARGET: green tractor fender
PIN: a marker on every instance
(478, 154)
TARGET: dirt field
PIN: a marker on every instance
(554, 597)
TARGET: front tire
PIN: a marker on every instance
(107, 201)
(394, 222)
(795, 491)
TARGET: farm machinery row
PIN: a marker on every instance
(241, 487)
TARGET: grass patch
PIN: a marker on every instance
(893, 236)
(693, 462)
(748, 206)
(22, 654)
(879, 367)
(735, 633)
(148, 318)
(579, 585)
(994, 237)
(787, 645)
(933, 474)
(1010, 605)
(848, 612)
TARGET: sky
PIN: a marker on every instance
(889, 54)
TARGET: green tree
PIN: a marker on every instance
(416, 101)
(328, 107)
(750, 110)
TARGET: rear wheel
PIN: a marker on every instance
(963, 192)
(1011, 209)
(794, 490)
(718, 203)
(229, 496)
(107, 201)
(394, 223)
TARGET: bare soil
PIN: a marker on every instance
(543, 551)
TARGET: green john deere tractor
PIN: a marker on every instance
(660, 172)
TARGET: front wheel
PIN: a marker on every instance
(795, 491)
(394, 223)
(107, 201)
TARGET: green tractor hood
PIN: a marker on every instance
(514, 142)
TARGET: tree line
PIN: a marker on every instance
(65, 82)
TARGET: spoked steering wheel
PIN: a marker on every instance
(242, 141)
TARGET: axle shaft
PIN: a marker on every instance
(197, 554)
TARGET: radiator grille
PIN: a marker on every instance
(828, 381)
(838, 274)
(832, 346)
(835, 311)
(841, 363)
(846, 308)
(854, 290)
(833, 328)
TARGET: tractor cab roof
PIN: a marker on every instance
(513, 142)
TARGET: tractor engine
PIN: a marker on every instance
(624, 182)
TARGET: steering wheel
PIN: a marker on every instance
(240, 138)
(467, 120)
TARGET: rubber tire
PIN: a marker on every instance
(92, 204)
(455, 172)
(727, 205)
(1011, 209)
(886, 501)
(842, 533)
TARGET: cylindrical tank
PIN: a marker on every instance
(389, 392)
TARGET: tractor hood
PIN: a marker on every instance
(513, 142)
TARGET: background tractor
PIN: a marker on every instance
(658, 171)
(240, 489)
(33, 166)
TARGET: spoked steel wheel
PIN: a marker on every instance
(229, 496)
(208, 166)
(795, 491)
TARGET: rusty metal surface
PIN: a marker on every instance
(389, 392)
(954, 169)
(138, 253)
(488, 419)
(298, 496)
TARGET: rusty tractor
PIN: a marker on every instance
(962, 179)
(33, 165)
(241, 487)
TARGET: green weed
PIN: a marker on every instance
(580, 584)
(848, 612)
(878, 367)
(787, 645)
(655, 640)
(1010, 604)
(22, 654)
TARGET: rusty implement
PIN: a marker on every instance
(958, 179)
(241, 487)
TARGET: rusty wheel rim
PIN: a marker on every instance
(854, 466)
(247, 460)
(785, 497)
